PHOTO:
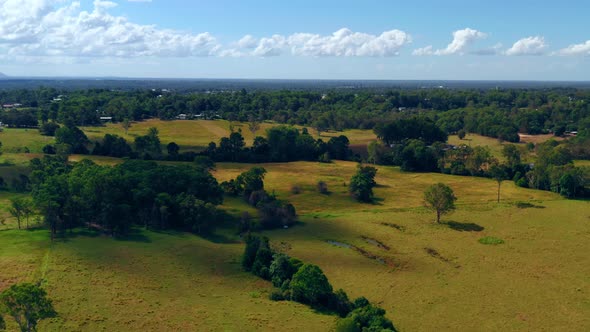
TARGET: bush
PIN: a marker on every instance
(253, 244)
(296, 189)
(281, 269)
(490, 240)
(347, 325)
(277, 213)
(323, 187)
(340, 303)
(49, 149)
(362, 183)
(277, 296)
(325, 158)
(310, 286)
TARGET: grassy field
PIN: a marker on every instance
(427, 276)
(197, 134)
(457, 275)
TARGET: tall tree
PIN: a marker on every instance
(27, 304)
(440, 198)
(498, 173)
(126, 123)
(362, 183)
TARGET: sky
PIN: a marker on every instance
(321, 39)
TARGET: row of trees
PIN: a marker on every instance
(282, 144)
(114, 198)
(306, 283)
(553, 168)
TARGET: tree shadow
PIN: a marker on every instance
(464, 227)
(134, 235)
(219, 238)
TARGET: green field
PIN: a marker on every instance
(428, 276)
(536, 280)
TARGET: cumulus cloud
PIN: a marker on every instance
(38, 28)
(461, 40)
(342, 43)
(576, 49)
(528, 46)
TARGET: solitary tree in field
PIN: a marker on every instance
(18, 209)
(362, 183)
(498, 173)
(440, 198)
(27, 304)
(253, 125)
(461, 134)
(126, 123)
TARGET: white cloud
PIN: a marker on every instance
(423, 51)
(461, 40)
(37, 28)
(247, 42)
(576, 49)
(528, 46)
(342, 43)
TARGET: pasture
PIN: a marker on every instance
(427, 276)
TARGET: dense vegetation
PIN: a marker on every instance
(114, 198)
(497, 113)
(306, 283)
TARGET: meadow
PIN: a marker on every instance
(428, 276)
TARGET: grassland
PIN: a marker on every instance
(431, 277)
(428, 276)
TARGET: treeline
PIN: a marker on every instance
(307, 284)
(114, 198)
(553, 167)
(497, 113)
(281, 144)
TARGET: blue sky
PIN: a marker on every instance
(513, 40)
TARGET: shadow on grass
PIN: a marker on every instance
(464, 227)
(219, 238)
(134, 235)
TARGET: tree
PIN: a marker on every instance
(461, 134)
(2, 323)
(440, 197)
(310, 285)
(498, 173)
(27, 304)
(251, 181)
(125, 124)
(362, 183)
(253, 125)
(172, 149)
(20, 209)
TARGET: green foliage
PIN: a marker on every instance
(72, 137)
(440, 198)
(253, 244)
(148, 145)
(282, 269)
(370, 318)
(48, 128)
(250, 181)
(27, 304)
(309, 285)
(362, 183)
(490, 240)
(412, 128)
(347, 324)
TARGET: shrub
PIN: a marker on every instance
(371, 318)
(347, 325)
(277, 296)
(296, 189)
(310, 285)
(490, 240)
(262, 262)
(253, 244)
(281, 269)
(325, 158)
(49, 149)
(323, 187)
(340, 303)
(277, 213)
(362, 183)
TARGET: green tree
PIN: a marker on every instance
(461, 134)
(2, 323)
(253, 125)
(362, 183)
(20, 208)
(310, 285)
(498, 173)
(125, 124)
(251, 181)
(440, 198)
(27, 304)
